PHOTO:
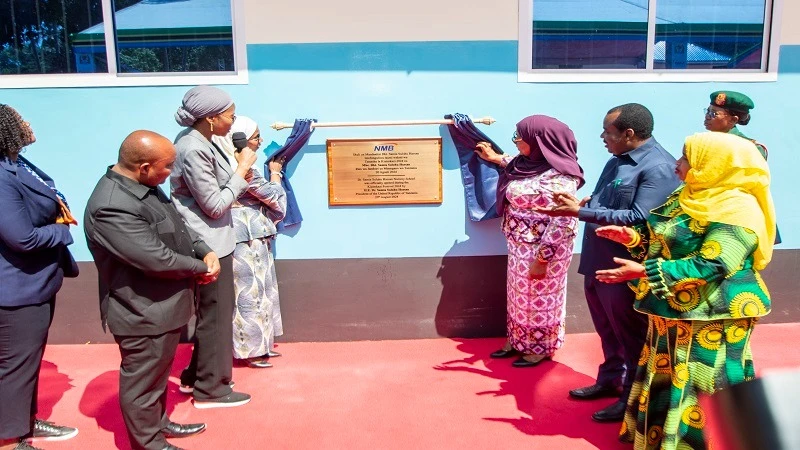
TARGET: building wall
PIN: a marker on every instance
(358, 270)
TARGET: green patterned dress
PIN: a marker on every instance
(703, 297)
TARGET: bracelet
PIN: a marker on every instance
(635, 240)
(272, 172)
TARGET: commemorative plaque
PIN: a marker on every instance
(384, 171)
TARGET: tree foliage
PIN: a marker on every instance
(36, 37)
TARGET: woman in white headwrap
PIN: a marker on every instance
(257, 317)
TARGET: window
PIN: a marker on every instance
(51, 43)
(648, 40)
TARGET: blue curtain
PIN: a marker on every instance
(479, 177)
(301, 132)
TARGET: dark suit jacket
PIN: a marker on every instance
(145, 255)
(33, 248)
(630, 186)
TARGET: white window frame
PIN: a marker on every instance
(525, 73)
(114, 78)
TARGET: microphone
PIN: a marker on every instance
(239, 140)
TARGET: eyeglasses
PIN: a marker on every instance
(710, 113)
(256, 137)
(515, 137)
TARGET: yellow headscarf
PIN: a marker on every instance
(729, 183)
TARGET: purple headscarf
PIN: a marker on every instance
(553, 146)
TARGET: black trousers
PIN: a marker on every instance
(211, 367)
(143, 375)
(23, 335)
(622, 331)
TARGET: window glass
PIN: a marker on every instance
(709, 34)
(39, 37)
(174, 36)
(589, 34)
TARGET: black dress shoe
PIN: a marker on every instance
(177, 430)
(171, 447)
(503, 354)
(272, 354)
(522, 362)
(614, 413)
(594, 391)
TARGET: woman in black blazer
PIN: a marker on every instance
(34, 234)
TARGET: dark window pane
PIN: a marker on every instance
(589, 34)
(41, 36)
(174, 36)
(709, 34)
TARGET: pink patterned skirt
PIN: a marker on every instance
(536, 308)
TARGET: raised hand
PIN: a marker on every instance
(246, 157)
(616, 233)
(565, 205)
(487, 153)
(276, 165)
(626, 271)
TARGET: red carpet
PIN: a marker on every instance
(431, 394)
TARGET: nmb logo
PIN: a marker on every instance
(384, 148)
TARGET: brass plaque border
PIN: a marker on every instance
(329, 144)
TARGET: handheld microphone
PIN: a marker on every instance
(239, 140)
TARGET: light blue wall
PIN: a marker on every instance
(79, 131)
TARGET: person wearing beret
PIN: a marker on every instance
(728, 109)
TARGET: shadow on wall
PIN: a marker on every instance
(473, 297)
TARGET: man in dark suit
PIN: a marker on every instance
(148, 261)
(639, 177)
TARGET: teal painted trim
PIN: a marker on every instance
(449, 56)
(461, 56)
(789, 59)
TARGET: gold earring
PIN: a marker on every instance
(212, 125)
